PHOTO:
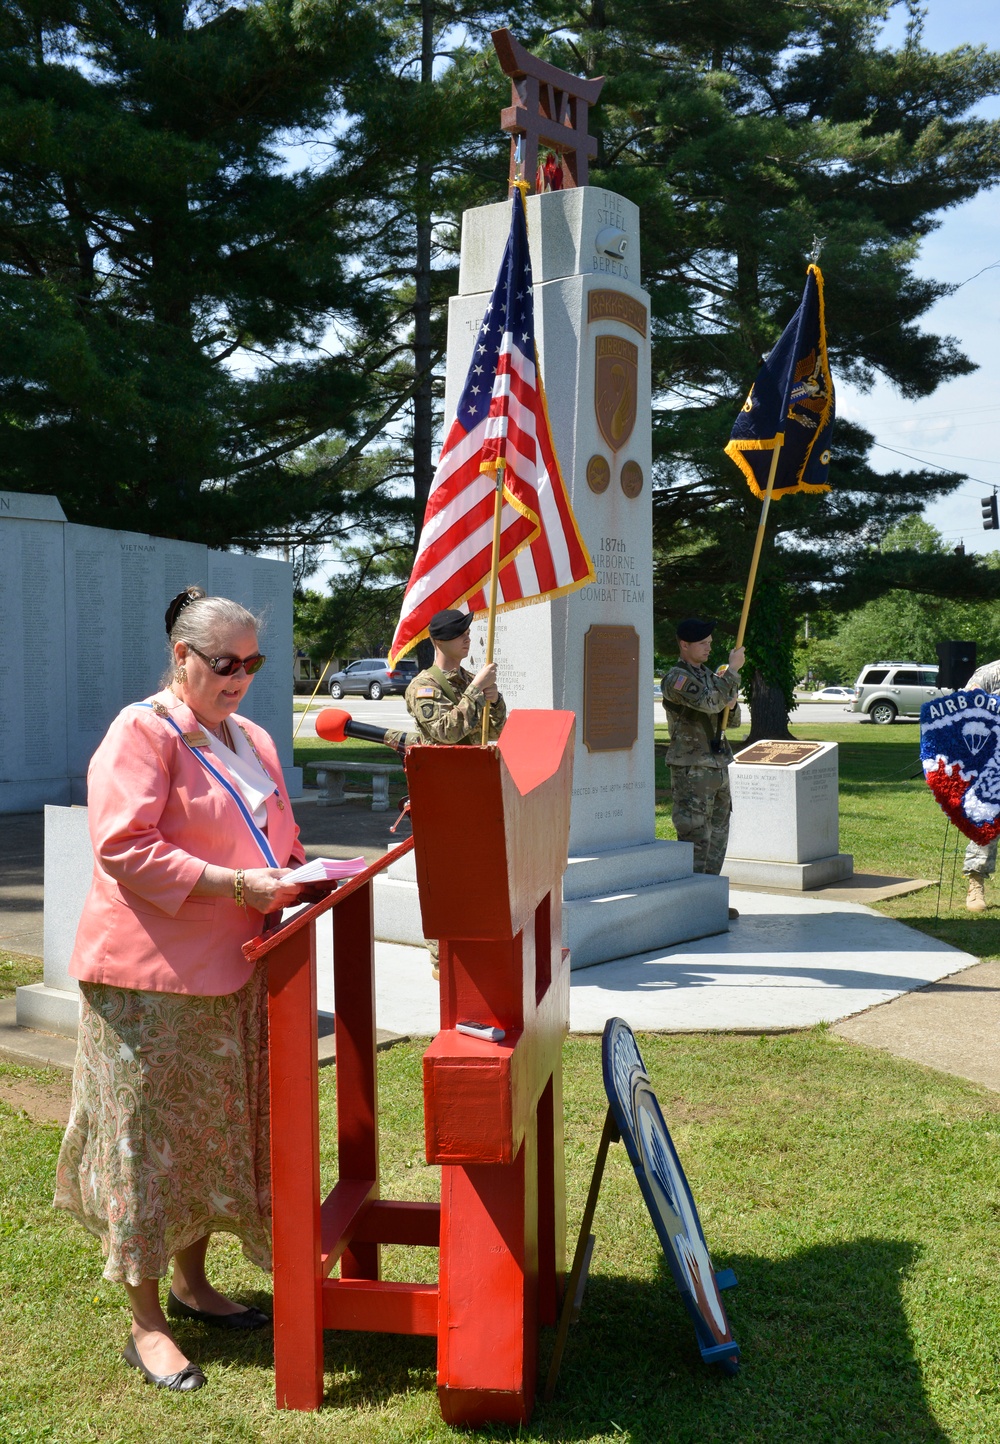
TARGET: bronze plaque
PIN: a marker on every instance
(610, 688)
(631, 478)
(617, 306)
(777, 754)
(616, 376)
(598, 473)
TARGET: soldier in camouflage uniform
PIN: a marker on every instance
(981, 858)
(698, 755)
(446, 702)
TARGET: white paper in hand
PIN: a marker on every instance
(326, 869)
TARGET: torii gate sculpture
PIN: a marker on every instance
(547, 105)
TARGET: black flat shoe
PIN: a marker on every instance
(248, 1319)
(185, 1382)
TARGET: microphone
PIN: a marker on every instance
(335, 725)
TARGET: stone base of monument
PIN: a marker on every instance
(615, 904)
(53, 1005)
(785, 829)
(795, 876)
(48, 1010)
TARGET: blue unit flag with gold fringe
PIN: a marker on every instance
(793, 395)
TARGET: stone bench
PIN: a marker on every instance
(331, 778)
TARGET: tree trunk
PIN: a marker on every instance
(768, 712)
(423, 400)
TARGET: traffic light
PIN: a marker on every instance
(990, 521)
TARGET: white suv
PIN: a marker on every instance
(887, 690)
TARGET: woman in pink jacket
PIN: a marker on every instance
(167, 1140)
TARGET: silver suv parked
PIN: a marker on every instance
(887, 690)
(373, 677)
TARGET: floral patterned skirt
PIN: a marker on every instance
(168, 1132)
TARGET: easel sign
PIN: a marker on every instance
(634, 1118)
(647, 1140)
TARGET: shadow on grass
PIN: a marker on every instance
(827, 1355)
(977, 935)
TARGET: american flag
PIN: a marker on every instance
(501, 418)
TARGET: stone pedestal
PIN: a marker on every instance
(53, 1005)
(785, 829)
(592, 651)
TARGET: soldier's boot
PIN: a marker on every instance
(975, 898)
(733, 914)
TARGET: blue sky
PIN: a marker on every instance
(957, 425)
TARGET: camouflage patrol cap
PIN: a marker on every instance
(446, 626)
(694, 629)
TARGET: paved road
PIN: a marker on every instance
(806, 713)
(391, 712)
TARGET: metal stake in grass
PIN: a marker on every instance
(954, 869)
(940, 883)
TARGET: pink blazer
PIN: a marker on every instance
(156, 817)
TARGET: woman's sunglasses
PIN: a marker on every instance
(227, 666)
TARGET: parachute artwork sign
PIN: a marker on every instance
(960, 752)
(665, 1188)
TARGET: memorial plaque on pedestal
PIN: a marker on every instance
(610, 688)
(777, 754)
(785, 827)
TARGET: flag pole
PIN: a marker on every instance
(522, 185)
(312, 699)
(491, 623)
(758, 545)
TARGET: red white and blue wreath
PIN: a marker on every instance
(960, 751)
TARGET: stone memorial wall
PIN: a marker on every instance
(83, 636)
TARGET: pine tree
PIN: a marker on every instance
(425, 132)
(170, 285)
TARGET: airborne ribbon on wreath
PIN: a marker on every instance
(960, 752)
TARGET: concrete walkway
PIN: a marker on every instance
(952, 1025)
(785, 963)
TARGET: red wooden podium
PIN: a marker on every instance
(490, 833)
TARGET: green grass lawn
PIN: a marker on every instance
(857, 1198)
(17, 971)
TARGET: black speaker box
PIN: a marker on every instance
(956, 663)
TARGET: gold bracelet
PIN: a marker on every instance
(238, 892)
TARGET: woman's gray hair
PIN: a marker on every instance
(198, 619)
